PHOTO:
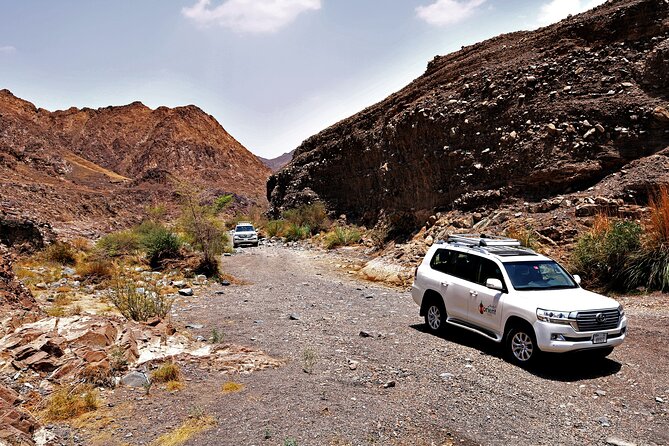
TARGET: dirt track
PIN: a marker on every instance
(389, 388)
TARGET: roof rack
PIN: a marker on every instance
(482, 240)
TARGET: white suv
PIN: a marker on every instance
(494, 287)
(244, 234)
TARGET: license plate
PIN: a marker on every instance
(599, 338)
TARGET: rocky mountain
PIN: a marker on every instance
(85, 166)
(520, 118)
(279, 162)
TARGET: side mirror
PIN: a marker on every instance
(494, 284)
(577, 279)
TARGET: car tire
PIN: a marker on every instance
(255, 244)
(435, 316)
(521, 346)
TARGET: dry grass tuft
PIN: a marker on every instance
(174, 386)
(96, 270)
(167, 372)
(232, 387)
(70, 402)
(185, 432)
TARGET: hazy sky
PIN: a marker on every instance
(273, 72)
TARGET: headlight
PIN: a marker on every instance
(556, 317)
(621, 310)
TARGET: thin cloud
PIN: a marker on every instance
(250, 16)
(557, 10)
(7, 49)
(448, 12)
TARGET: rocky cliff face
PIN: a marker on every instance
(85, 166)
(524, 116)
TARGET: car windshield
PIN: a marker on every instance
(538, 275)
(244, 229)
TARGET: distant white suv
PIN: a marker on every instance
(512, 295)
(244, 234)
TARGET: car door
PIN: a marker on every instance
(443, 280)
(461, 270)
(484, 304)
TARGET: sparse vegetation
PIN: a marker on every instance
(602, 254)
(159, 244)
(290, 442)
(275, 228)
(525, 235)
(295, 232)
(174, 386)
(119, 243)
(70, 402)
(309, 358)
(186, 431)
(222, 202)
(61, 253)
(312, 216)
(231, 387)
(95, 269)
(167, 372)
(216, 336)
(139, 304)
(203, 231)
(342, 236)
(649, 266)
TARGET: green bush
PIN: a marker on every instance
(602, 255)
(60, 252)
(296, 232)
(274, 228)
(223, 202)
(159, 243)
(342, 236)
(313, 216)
(119, 243)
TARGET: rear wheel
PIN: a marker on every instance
(435, 316)
(521, 346)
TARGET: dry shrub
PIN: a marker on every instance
(56, 311)
(61, 253)
(649, 266)
(119, 243)
(96, 270)
(524, 235)
(275, 228)
(174, 386)
(81, 244)
(167, 372)
(186, 431)
(139, 304)
(70, 402)
(232, 387)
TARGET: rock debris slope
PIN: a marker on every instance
(96, 164)
(524, 116)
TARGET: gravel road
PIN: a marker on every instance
(377, 377)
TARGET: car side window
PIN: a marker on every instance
(440, 261)
(465, 266)
(489, 270)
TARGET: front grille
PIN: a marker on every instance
(598, 320)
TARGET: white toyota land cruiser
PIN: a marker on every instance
(494, 287)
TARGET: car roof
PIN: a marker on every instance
(504, 254)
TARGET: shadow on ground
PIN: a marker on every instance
(566, 367)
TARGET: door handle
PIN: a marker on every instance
(473, 293)
(445, 284)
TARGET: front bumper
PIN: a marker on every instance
(245, 240)
(560, 338)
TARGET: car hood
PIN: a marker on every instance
(576, 299)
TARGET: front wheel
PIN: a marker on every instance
(521, 346)
(435, 316)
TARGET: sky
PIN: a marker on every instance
(272, 72)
